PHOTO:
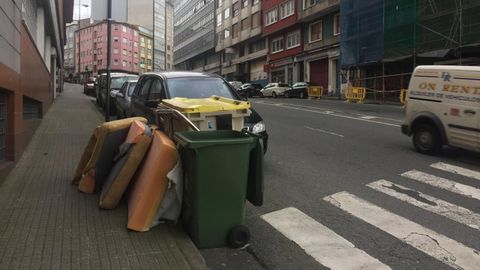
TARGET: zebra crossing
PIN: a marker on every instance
(333, 251)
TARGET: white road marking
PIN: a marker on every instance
(438, 246)
(443, 183)
(324, 131)
(429, 203)
(368, 117)
(323, 244)
(332, 114)
(455, 169)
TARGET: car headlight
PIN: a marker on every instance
(258, 127)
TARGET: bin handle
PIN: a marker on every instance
(190, 123)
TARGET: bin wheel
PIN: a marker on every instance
(238, 236)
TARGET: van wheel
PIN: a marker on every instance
(274, 95)
(426, 139)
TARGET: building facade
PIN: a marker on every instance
(31, 63)
(321, 25)
(169, 13)
(194, 36)
(239, 39)
(93, 49)
(69, 51)
(145, 50)
(159, 32)
(284, 40)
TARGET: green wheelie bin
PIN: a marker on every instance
(216, 167)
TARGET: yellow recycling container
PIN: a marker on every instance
(213, 113)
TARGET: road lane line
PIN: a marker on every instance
(332, 114)
(440, 247)
(443, 183)
(324, 131)
(318, 241)
(429, 203)
(457, 170)
(368, 117)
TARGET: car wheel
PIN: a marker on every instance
(274, 95)
(287, 95)
(302, 95)
(426, 139)
(261, 95)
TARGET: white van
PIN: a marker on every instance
(443, 108)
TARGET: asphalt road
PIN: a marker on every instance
(322, 154)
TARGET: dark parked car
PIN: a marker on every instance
(123, 98)
(89, 86)
(299, 89)
(116, 81)
(152, 87)
(249, 90)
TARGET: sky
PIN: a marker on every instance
(84, 11)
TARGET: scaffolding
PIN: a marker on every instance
(383, 40)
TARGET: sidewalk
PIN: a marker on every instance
(46, 223)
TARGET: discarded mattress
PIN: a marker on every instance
(151, 184)
(126, 163)
(97, 158)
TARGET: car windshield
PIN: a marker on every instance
(131, 87)
(299, 84)
(117, 82)
(198, 88)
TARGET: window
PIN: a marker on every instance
(135, 33)
(143, 94)
(287, 9)
(115, 39)
(236, 9)
(277, 45)
(235, 30)
(336, 25)
(244, 3)
(156, 92)
(310, 3)
(245, 24)
(256, 20)
(124, 63)
(315, 32)
(124, 28)
(124, 40)
(219, 19)
(115, 27)
(227, 33)
(124, 52)
(142, 40)
(255, 2)
(293, 40)
(271, 17)
(226, 13)
(115, 62)
(135, 44)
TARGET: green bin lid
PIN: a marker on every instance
(199, 139)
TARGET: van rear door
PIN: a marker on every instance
(462, 107)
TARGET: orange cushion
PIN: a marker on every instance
(151, 184)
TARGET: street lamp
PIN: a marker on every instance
(79, 28)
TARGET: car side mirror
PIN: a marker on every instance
(119, 95)
(152, 103)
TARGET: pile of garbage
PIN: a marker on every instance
(148, 164)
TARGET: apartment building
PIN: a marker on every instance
(93, 49)
(239, 40)
(31, 62)
(145, 50)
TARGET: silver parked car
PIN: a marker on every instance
(274, 90)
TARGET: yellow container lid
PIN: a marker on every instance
(205, 105)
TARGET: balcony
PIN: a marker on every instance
(327, 42)
(319, 9)
(249, 57)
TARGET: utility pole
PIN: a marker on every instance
(109, 56)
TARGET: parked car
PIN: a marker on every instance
(89, 86)
(442, 108)
(249, 90)
(274, 90)
(152, 87)
(235, 84)
(116, 81)
(123, 98)
(299, 89)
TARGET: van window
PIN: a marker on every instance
(143, 94)
(157, 92)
